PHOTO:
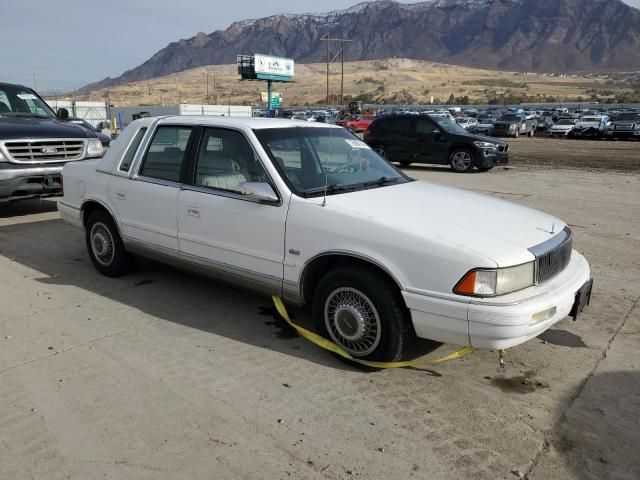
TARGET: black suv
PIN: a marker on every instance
(35, 143)
(430, 139)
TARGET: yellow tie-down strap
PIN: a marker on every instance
(332, 347)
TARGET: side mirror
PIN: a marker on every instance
(62, 114)
(260, 191)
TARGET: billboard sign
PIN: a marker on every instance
(276, 98)
(277, 68)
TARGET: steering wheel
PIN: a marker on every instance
(356, 162)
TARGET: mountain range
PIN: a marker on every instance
(515, 35)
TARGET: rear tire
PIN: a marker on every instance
(363, 312)
(461, 160)
(105, 246)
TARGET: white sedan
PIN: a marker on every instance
(310, 213)
(562, 128)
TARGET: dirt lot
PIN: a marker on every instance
(165, 375)
(547, 152)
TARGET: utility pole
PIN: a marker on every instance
(215, 94)
(342, 73)
(208, 87)
(177, 91)
(328, 63)
(331, 57)
(149, 88)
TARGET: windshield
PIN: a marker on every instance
(18, 101)
(628, 116)
(310, 159)
(448, 126)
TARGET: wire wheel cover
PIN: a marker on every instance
(352, 321)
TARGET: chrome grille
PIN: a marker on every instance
(553, 256)
(37, 151)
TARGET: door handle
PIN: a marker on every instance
(193, 210)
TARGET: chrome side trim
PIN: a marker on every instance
(152, 251)
(242, 277)
(148, 229)
(231, 194)
(249, 279)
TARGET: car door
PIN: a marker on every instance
(400, 138)
(220, 229)
(431, 144)
(147, 202)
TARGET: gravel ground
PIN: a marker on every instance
(619, 155)
(162, 374)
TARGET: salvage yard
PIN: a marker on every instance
(162, 374)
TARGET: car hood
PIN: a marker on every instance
(562, 127)
(499, 230)
(12, 128)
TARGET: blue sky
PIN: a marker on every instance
(69, 43)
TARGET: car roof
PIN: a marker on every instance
(254, 123)
(5, 84)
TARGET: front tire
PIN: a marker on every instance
(461, 160)
(363, 313)
(105, 246)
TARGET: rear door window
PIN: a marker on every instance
(166, 153)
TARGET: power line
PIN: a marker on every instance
(331, 57)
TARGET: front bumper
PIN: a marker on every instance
(488, 158)
(21, 182)
(623, 133)
(500, 322)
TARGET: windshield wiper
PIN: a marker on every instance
(333, 188)
(380, 182)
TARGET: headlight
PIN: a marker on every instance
(480, 144)
(500, 281)
(94, 148)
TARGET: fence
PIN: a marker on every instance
(91, 112)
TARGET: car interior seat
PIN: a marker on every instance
(216, 171)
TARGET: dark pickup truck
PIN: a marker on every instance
(513, 125)
(35, 143)
(624, 125)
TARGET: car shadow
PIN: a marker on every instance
(20, 208)
(57, 251)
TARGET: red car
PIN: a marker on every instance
(358, 123)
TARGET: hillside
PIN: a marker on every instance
(380, 81)
(509, 35)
